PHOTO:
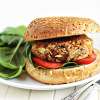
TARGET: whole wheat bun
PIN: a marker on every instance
(67, 75)
(53, 27)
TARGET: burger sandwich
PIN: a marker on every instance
(59, 50)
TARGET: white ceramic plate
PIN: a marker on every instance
(28, 83)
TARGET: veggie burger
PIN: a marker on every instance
(61, 52)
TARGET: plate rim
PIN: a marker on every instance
(48, 87)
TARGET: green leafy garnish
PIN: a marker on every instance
(14, 74)
(15, 30)
(27, 52)
(12, 60)
(12, 35)
(6, 39)
(70, 65)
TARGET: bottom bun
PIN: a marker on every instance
(64, 75)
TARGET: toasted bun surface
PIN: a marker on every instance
(67, 75)
(53, 27)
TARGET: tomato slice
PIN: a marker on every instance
(45, 64)
(87, 60)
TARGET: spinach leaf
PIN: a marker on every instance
(7, 65)
(27, 51)
(9, 39)
(16, 64)
(11, 52)
(70, 65)
(1, 43)
(15, 50)
(20, 30)
(12, 35)
(14, 74)
(5, 53)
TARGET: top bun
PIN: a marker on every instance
(53, 27)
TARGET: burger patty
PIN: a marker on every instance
(63, 49)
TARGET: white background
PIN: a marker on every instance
(15, 12)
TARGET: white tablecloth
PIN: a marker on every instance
(11, 93)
